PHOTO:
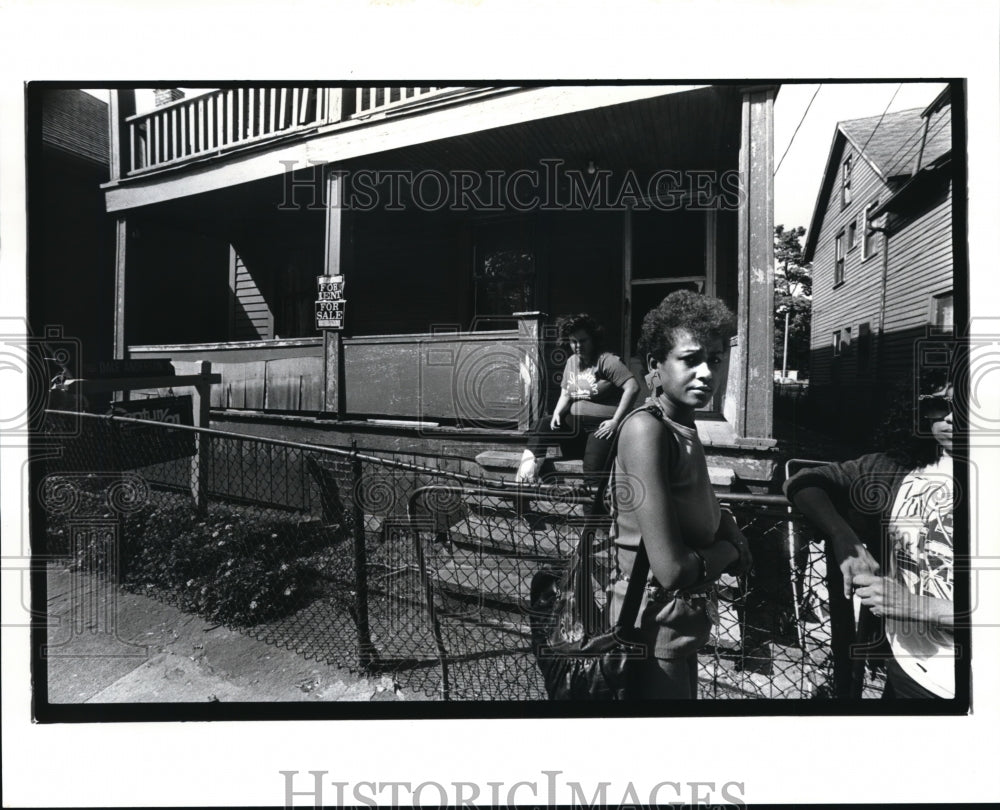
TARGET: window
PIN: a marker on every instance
(504, 274)
(836, 343)
(838, 268)
(943, 312)
(852, 235)
(864, 347)
(847, 340)
(869, 236)
(845, 183)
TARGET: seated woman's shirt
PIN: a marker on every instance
(596, 390)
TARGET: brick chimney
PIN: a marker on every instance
(161, 97)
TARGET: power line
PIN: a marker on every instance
(797, 128)
(887, 106)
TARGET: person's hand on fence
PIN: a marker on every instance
(854, 561)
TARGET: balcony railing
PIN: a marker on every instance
(229, 118)
(371, 100)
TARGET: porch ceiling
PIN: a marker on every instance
(696, 129)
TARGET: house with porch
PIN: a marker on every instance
(383, 265)
(881, 246)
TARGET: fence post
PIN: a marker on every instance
(366, 650)
(203, 442)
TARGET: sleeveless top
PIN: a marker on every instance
(691, 492)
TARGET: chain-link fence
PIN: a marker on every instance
(392, 562)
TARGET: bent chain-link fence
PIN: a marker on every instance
(391, 562)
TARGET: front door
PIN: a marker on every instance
(666, 251)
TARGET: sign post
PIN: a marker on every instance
(330, 315)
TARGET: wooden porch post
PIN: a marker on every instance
(337, 259)
(753, 354)
(121, 243)
(529, 332)
(121, 106)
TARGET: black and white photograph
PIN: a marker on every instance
(372, 399)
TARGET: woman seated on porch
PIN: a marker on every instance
(597, 392)
(900, 504)
(663, 498)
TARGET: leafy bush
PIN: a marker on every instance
(233, 565)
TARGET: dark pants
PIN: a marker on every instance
(575, 439)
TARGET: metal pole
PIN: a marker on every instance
(366, 650)
(784, 354)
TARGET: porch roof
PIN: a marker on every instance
(644, 127)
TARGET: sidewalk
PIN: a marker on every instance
(107, 645)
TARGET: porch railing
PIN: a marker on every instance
(227, 118)
(371, 100)
(223, 119)
(470, 378)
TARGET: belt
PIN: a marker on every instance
(658, 593)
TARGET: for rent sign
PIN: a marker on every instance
(330, 303)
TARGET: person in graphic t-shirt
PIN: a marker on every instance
(914, 592)
(597, 391)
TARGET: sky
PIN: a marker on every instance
(796, 183)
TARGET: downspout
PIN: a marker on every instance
(880, 351)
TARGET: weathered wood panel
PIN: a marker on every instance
(294, 384)
(472, 378)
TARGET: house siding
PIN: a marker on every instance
(856, 301)
(850, 392)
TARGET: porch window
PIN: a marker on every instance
(504, 279)
(845, 183)
(838, 268)
(869, 236)
(836, 343)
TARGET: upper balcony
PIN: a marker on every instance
(229, 119)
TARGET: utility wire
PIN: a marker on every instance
(887, 106)
(797, 128)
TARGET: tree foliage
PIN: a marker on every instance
(792, 295)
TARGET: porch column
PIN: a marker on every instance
(121, 159)
(121, 106)
(337, 260)
(529, 332)
(121, 244)
(753, 354)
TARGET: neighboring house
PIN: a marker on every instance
(71, 245)
(463, 220)
(880, 243)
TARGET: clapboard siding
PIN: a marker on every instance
(252, 318)
(856, 301)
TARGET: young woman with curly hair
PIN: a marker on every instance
(662, 496)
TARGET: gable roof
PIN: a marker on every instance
(890, 144)
(76, 122)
